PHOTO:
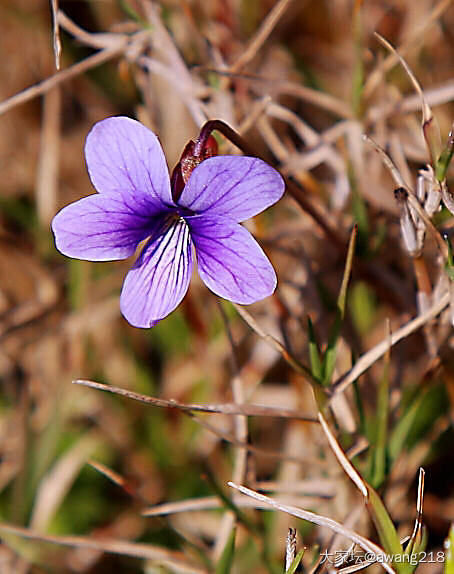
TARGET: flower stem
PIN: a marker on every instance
(225, 130)
(293, 188)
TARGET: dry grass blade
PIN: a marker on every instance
(262, 34)
(56, 33)
(221, 434)
(343, 460)
(290, 547)
(417, 530)
(364, 543)
(420, 499)
(213, 503)
(62, 76)
(175, 561)
(369, 358)
(224, 408)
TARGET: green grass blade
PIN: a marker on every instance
(296, 561)
(449, 554)
(386, 531)
(358, 69)
(418, 540)
(314, 355)
(329, 359)
(380, 450)
(415, 548)
(449, 265)
(402, 429)
(445, 158)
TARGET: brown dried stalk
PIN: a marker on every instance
(224, 408)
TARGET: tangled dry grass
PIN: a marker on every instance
(93, 482)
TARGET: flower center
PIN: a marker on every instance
(176, 216)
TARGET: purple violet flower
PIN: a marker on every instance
(137, 200)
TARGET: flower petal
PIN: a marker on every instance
(124, 157)
(230, 262)
(101, 228)
(159, 279)
(235, 186)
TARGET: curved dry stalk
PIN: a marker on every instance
(349, 469)
(333, 525)
(427, 115)
(429, 125)
(417, 529)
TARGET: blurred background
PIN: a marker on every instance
(302, 81)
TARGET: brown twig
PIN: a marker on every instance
(261, 35)
(224, 408)
(56, 33)
(62, 76)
